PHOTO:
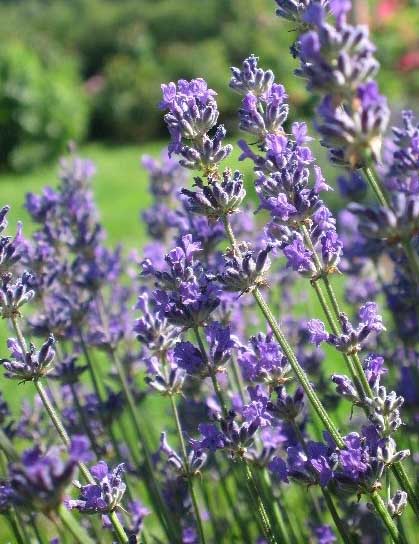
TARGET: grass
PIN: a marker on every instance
(120, 187)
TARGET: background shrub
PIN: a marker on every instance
(40, 108)
(121, 51)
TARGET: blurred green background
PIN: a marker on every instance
(90, 70)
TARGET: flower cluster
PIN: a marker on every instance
(105, 495)
(227, 329)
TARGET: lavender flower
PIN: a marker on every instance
(400, 222)
(287, 407)
(153, 330)
(105, 495)
(165, 175)
(186, 295)
(217, 199)
(14, 295)
(192, 113)
(195, 461)
(263, 361)
(164, 377)
(251, 78)
(230, 435)
(244, 270)
(39, 481)
(397, 504)
(338, 60)
(30, 365)
(350, 340)
(11, 249)
(324, 534)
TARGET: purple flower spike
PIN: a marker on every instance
(105, 495)
(324, 534)
(317, 330)
(31, 365)
(40, 480)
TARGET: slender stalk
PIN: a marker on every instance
(10, 516)
(302, 378)
(282, 341)
(83, 420)
(356, 369)
(189, 476)
(7, 447)
(253, 489)
(39, 536)
(163, 514)
(251, 485)
(96, 387)
(404, 481)
(294, 527)
(171, 530)
(298, 370)
(271, 500)
(23, 525)
(211, 372)
(58, 423)
(380, 507)
(232, 504)
(119, 530)
(335, 330)
(75, 528)
(413, 260)
(217, 533)
(340, 526)
(411, 255)
(375, 186)
(59, 426)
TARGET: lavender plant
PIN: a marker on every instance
(283, 428)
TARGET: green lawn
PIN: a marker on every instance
(120, 186)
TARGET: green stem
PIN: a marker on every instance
(298, 370)
(189, 476)
(59, 426)
(95, 383)
(53, 415)
(39, 536)
(340, 526)
(355, 368)
(15, 527)
(412, 257)
(326, 309)
(375, 186)
(404, 481)
(380, 507)
(212, 373)
(75, 528)
(413, 260)
(232, 504)
(301, 376)
(7, 447)
(154, 490)
(251, 486)
(172, 532)
(276, 512)
(282, 341)
(83, 420)
(119, 530)
(254, 492)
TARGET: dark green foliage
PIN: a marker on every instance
(40, 108)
